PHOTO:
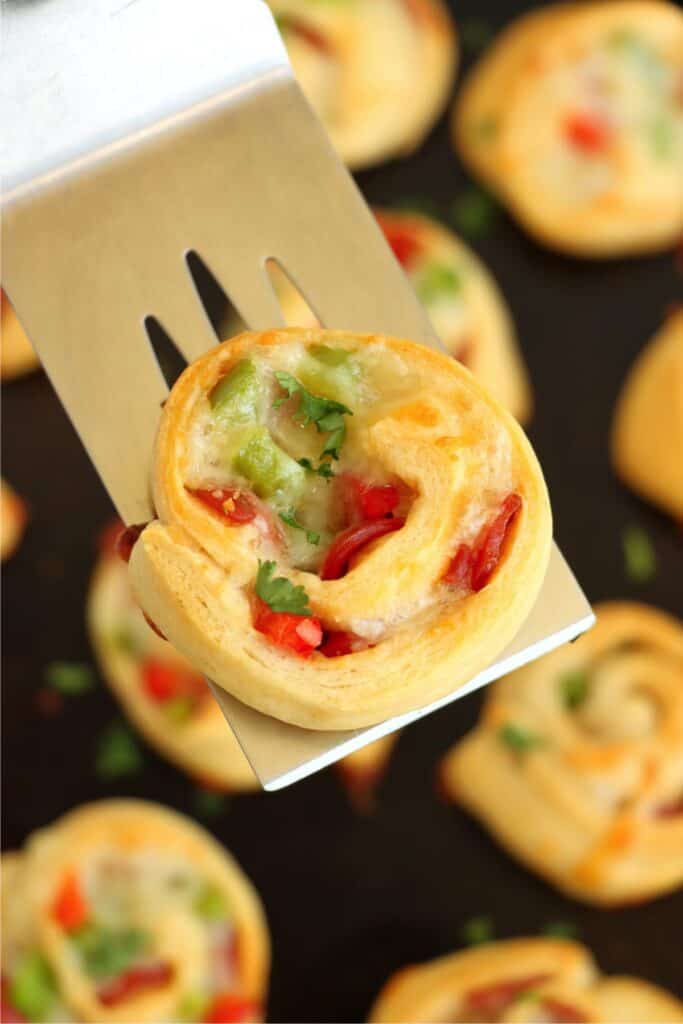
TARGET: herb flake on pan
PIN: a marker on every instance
(474, 213)
(290, 519)
(327, 414)
(574, 686)
(519, 738)
(640, 560)
(478, 930)
(70, 678)
(118, 754)
(279, 593)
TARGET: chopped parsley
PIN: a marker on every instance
(574, 687)
(280, 594)
(107, 952)
(70, 678)
(324, 469)
(639, 555)
(327, 414)
(478, 930)
(519, 738)
(118, 753)
(290, 519)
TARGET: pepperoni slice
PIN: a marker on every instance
(231, 503)
(352, 540)
(231, 1008)
(164, 681)
(459, 572)
(490, 1001)
(490, 542)
(403, 241)
(298, 633)
(70, 908)
(127, 539)
(131, 982)
(365, 501)
(587, 132)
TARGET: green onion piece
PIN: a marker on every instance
(33, 989)
(210, 903)
(107, 952)
(574, 686)
(118, 754)
(478, 930)
(474, 213)
(639, 555)
(519, 738)
(70, 678)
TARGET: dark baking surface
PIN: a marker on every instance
(349, 898)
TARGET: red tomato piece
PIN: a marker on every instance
(350, 541)
(490, 1001)
(232, 503)
(490, 542)
(7, 1012)
(133, 981)
(587, 132)
(164, 681)
(127, 539)
(459, 572)
(231, 1008)
(337, 642)
(70, 908)
(403, 241)
(365, 501)
(298, 633)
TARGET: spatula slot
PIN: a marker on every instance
(218, 307)
(296, 310)
(171, 361)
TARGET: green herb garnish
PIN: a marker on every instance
(324, 469)
(327, 414)
(209, 804)
(574, 687)
(118, 753)
(280, 594)
(210, 903)
(474, 213)
(519, 738)
(478, 930)
(33, 990)
(107, 952)
(290, 519)
(561, 930)
(70, 678)
(639, 555)
(437, 280)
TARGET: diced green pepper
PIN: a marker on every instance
(210, 903)
(107, 952)
(194, 1006)
(330, 372)
(269, 468)
(33, 990)
(238, 396)
(437, 281)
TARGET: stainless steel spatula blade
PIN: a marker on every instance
(135, 133)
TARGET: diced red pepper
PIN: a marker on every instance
(231, 503)
(558, 1012)
(127, 539)
(365, 501)
(298, 633)
(404, 242)
(490, 1001)
(352, 540)
(163, 681)
(587, 132)
(135, 980)
(231, 1008)
(473, 565)
(338, 642)
(7, 1012)
(70, 908)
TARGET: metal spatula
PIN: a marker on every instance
(135, 132)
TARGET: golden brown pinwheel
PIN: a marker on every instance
(13, 517)
(574, 119)
(125, 911)
(526, 981)
(348, 526)
(577, 763)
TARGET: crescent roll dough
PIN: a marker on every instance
(574, 119)
(17, 355)
(577, 763)
(377, 72)
(13, 517)
(126, 911)
(647, 434)
(169, 702)
(520, 980)
(461, 297)
(390, 550)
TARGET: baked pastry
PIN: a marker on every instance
(461, 297)
(522, 980)
(647, 433)
(13, 518)
(168, 700)
(577, 763)
(17, 355)
(126, 911)
(348, 526)
(377, 72)
(574, 119)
